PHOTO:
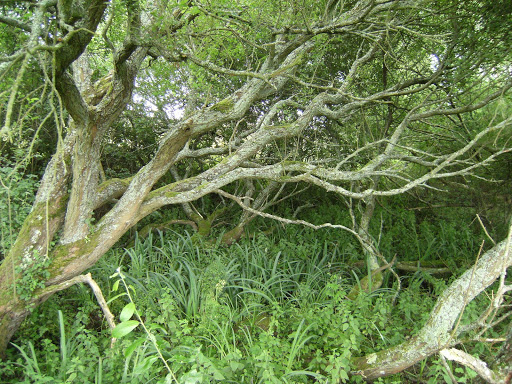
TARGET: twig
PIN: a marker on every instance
(282, 219)
(97, 292)
(447, 368)
(485, 229)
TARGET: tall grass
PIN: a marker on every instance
(268, 309)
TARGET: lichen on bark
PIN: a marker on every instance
(224, 106)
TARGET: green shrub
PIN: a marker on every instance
(266, 310)
(17, 191)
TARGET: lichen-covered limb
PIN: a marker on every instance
(371, 282)
(147, 229)
(262, 201)
(441, 330)
(86, 279)
(230, 169)
(34, 238)
(472, 362)
(109, 190)
(430, 269)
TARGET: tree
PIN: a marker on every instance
(364, 99)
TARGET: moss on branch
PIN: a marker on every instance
(224, 106)
(106, 185)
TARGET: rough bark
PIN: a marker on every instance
(83, 243)
(441, 330)
(38, 230)
(282, 57)
(75, 161)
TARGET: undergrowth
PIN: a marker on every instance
(269, 309)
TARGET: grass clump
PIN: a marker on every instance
(265, 310)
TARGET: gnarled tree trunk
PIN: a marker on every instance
(83, 242)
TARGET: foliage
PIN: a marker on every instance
(16, 196)
(129, 110)
(34, 273)
(265, 310)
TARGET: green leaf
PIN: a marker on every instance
(194, 11)
(115, 297)
(114, 275)
(124, 328)
(145, 365)
(127, 312)
(192, 377)
(115, 287)
(236, 366)
(343, 375)
(133, 346)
